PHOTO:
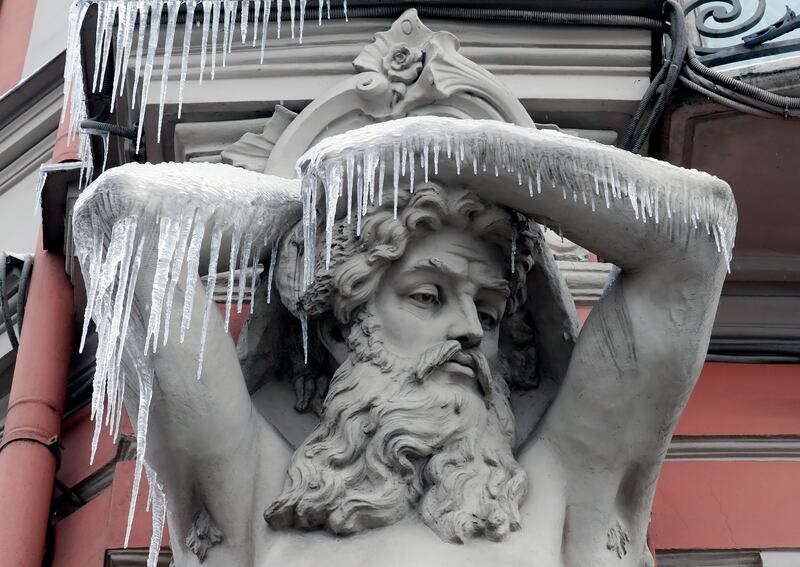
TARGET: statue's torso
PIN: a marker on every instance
(410, 543)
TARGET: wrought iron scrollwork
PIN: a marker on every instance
(755, 45)
(723, 15)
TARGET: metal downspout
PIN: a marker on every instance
(28, 452)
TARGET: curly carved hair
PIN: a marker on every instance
(358, 262)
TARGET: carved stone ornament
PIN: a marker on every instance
(410, 388)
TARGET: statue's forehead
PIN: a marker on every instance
(454, 252)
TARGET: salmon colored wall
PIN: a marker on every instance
(16, 23)
(727, 505)
(76, 438)
(744, 399)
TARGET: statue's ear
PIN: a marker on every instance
(332, 336)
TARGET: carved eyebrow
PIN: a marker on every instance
(498, 285)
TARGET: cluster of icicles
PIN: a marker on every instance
(169, 208)
(172, 207)
(131, 17)
(583, 170)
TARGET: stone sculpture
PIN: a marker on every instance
(436, 412)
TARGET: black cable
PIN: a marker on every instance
(725, 101)
(726, 96)
(680, 44)
(12, 336)
(22, 290)
(740, 87)
(113, 129)
(625, 141)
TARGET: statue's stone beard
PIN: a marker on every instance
(393, 437)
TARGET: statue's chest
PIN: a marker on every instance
(406, 544)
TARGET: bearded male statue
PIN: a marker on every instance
(448, 433)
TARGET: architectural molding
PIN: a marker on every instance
(29, 116)
(135, 558)
(725, 558)
(685, 448)
(586, 280)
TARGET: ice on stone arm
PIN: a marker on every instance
(521, 153)
(185, 201)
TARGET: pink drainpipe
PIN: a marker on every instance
(28, 458)
(28, 451)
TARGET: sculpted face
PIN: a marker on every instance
(449, 286)
(417, 417)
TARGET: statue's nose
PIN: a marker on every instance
(466, 327)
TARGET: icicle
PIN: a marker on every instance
(227, 28)
(359, 197)
(302, 18)
(381, 169)
(334, 188)
(304, 330)
(279, 15)
(265, 24)
(236, 240)
(244, 19)
(178, 258)
(148, 67)
(211, 281)
(159, 515)
(256, 16)
(73, 74)
(411, 168)
(169, 233)
(143, 9)
(350, 166)
(207, 8)
(37, 202)
(425, 159)
(436, 149)
(191, 5)
(145, 395)
(103, 11)
(243, 269)
(396, 175)
(192, 265)
(105, 137)
(217, 7)
(291, 15)
(122, 47)
(131, 13)
(254, 278)
(272, 259)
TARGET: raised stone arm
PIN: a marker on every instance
(637, 358)
(201, 417)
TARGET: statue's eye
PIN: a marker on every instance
(427, 298)
(488, 320)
